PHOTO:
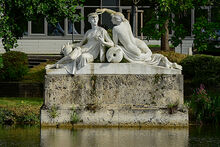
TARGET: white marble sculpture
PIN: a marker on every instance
(114, 55)
(93, 43)
(134, 49)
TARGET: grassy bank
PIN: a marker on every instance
(20, 110)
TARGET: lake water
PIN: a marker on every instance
(23, 136)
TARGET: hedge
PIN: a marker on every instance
(15, 66)
(201, 69)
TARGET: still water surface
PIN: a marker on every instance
(23, 136)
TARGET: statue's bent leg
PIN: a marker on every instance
(84, 59)
(166, 62)
(134, 50)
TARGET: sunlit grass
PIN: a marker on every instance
(11, 101)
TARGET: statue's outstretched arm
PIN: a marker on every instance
(100, 11)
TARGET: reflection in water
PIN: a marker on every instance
(26, 136)
(114, 137)
(22, 136)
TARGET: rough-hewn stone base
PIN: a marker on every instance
(114, 100)
(115, 117)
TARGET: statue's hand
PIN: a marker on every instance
(100, 11)
(101, 40)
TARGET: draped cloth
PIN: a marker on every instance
(154, 59)
(80, 56)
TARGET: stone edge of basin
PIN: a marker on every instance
(118, 68)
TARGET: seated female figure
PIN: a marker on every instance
(89, 48)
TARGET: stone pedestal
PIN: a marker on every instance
(96, 96)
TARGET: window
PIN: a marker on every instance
(37, 26)
(57, 29)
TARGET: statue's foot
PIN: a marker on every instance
(57, 66)
(177, 66)
(49, 66)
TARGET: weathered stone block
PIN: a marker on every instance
(115, 99)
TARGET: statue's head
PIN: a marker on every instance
(93, 18)
(117, 18)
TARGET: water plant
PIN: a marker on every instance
(74, 117)
(204, 106)
(172, 108)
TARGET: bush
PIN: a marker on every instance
(15, 66)
(204, 107)
(201, 69)
(6, 116)
(20, 110)
(172, 56)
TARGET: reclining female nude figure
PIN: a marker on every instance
(134, 49)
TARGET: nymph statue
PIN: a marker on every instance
(134, 49)
(92, 44)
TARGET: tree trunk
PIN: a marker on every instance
(165, 38)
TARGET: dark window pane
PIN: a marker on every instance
(92, 2)
(201, 12)
(215, 14)
(126, 2)
(185, 20)
(57, 29)
(147, 15)
(25, 29)
(140, 3)
(74, 27)
(37, 26)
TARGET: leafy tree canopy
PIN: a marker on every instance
(167, 14)
(15, 13)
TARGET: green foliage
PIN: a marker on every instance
(74, 117)
(53, 111)
(15, 65)
(178, 35)
(153, 28)
(16, 13)
(20, 110)
(36, 74)
(204, 31)
(201, 69)
(172, 108)
(204, 107)
(163, 9)
(6, 116)
(173, 11)
(172, 56)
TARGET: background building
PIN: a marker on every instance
(43, 38)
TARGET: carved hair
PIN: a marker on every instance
(94, 14)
